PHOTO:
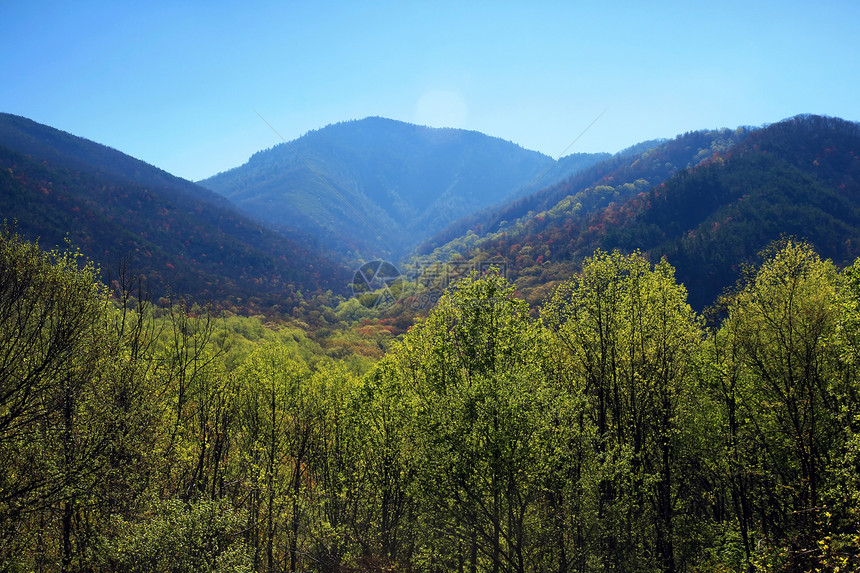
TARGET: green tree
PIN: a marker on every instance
(631, 339)
(203, 536)
(51, 308)
(79, 415)
(794, 393)
(341, 502)
(277, 419)
(481, 407)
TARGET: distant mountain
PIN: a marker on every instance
(799, 177)
(616, 179)
(377, 187)
(184, 239)
(558, 171)
(76, 153)
(708, 201)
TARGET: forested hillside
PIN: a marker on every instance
(510, 217)
(618, 430)
(377, 187)
(799, 177)
(182, 239)
(708, 201)
(565, 410)
(78, 154)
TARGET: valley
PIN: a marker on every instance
(640, 361)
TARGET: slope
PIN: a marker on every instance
(799, 177)
(528, 220)
(586, 186)
(377, 187)
(183, 239)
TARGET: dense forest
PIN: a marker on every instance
(614, 429)
(185, 239)
(708, 201)
(376, 187)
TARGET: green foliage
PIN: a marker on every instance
(630, 338)
(52, 330)
(786, 400)
(615, 432)
(482, 403)
(203, 537)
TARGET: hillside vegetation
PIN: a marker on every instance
(708, 201)
(377, 187)
(182, 239)
(617, 431)
(592, 397)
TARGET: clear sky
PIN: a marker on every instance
(180, 84)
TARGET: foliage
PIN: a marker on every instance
(200, 537)
(185, 239)
(482, 407)
(616, 431)
(631, 338)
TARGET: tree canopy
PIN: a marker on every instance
(618, 429)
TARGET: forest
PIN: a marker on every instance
(611, 428)
(708, 201)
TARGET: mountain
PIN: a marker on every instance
(798, 178)
(616, 179)
(561, 169)
(183, 238)
(76, 153)
(707, 201)
(377, 187)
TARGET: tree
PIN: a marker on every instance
(51, 308)
(630, 339)
(482, 408)
(793, 391)
(203, 536)
(341, 504)
(278, 420)
(78, 412)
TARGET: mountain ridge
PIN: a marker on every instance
(616, 178)
(707, 200)
(55, 186)
(376, 186)
(32, 138)
(799, 177)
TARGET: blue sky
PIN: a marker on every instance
(180, 84)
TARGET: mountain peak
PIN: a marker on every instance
(376, 187)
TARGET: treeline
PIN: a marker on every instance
(619, 430)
